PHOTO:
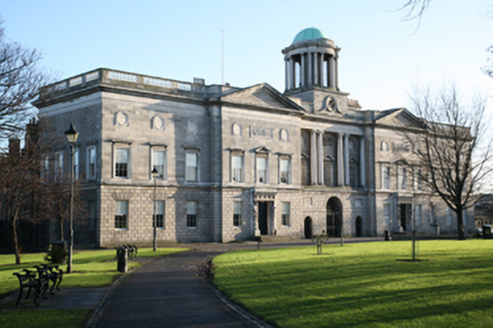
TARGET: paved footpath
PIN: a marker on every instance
(167, 293)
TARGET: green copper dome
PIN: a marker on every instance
(310, 33)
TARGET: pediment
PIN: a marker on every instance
(261, 149)
(261, 95)
(399, 117)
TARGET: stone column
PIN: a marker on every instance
(332, 75)
(293, 73)
(286, 73)
(320, 158)
(336, 74)
(310, 68)
(322, 70)
(362, 162)
(315, 68)
(326, 72)
(313, 158)
(346, 158)
(302, 70)
(340, 162)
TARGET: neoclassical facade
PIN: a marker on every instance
(235, 163)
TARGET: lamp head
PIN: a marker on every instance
(154, 173)
(71, 134)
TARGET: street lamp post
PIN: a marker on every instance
(154, 174)
(72, 136)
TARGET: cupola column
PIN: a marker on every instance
(286, 73)
(336, 73)
(331, 75)
(302, 70)
(315, 68)
(293, 73)
(310, 68)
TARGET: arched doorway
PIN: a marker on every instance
(334, 217)
(359, 227)
(308, 228)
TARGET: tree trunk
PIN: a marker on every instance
(17, 246)
(60, 221)
(460, 225)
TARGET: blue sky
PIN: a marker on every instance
(382, 57)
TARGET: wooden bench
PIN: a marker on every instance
(51, 272)
(29, 280)
(132, 251)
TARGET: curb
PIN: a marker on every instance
(205, 276)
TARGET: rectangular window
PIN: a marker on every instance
(58, 166)
(237, 165)
(76, 163)
(418, 184)
(121, 214)
(91, 162)
(121, 162)
(386, 214)
(191, 214)
(418, 215)
(158, 214)
(262, 169)
(159, 162)
(191, 167)
(449, 216)
(45, 168)
(285, 213)
(284, 169)
(386, 177)
(237, 213)
(402, 177)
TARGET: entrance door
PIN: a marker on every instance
(334, 217)
(308, 228)
(359, 226)
(404, 208)
(263, 218)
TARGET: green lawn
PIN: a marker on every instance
(364, 285)
(90, 269)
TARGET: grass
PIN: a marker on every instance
(44, 318)
(363, 285)
(90, 269)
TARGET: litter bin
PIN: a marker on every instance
(122, 259)
(387, 235)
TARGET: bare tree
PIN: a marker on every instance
(22, 188)
(415, 9)
(20, 80)
(450, 152)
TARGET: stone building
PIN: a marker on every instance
(234, 163)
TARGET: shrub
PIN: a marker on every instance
(56, 253)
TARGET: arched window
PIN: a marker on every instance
(384, 146)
